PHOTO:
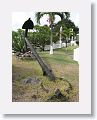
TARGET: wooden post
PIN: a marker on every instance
(45, 69)
(26, 31)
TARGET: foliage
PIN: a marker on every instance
(66, 33)
(51, 19)
(18, 40)
(40, 37)
(67, 25)
(63, 15)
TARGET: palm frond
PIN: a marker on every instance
(63, 15)
(37, 16)
(67, 15)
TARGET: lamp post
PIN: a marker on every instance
(46, 71)
(27, 25)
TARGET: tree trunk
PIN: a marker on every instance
(66, 43)
(51, 43)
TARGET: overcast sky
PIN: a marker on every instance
(18, 18)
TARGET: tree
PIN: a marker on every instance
(67, 33)
(18, 41)
(67, 26)
(40, 37)
(63, 15)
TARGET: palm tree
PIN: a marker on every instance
(67, 33)
(63, 15)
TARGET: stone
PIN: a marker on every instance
(30, 80)
(58, 97)
(58, 93)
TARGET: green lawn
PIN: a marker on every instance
(62, 65)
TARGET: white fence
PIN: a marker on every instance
(60, 45)
(56, 45)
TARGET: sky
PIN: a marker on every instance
(18, 18)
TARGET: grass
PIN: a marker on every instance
(62, 65)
